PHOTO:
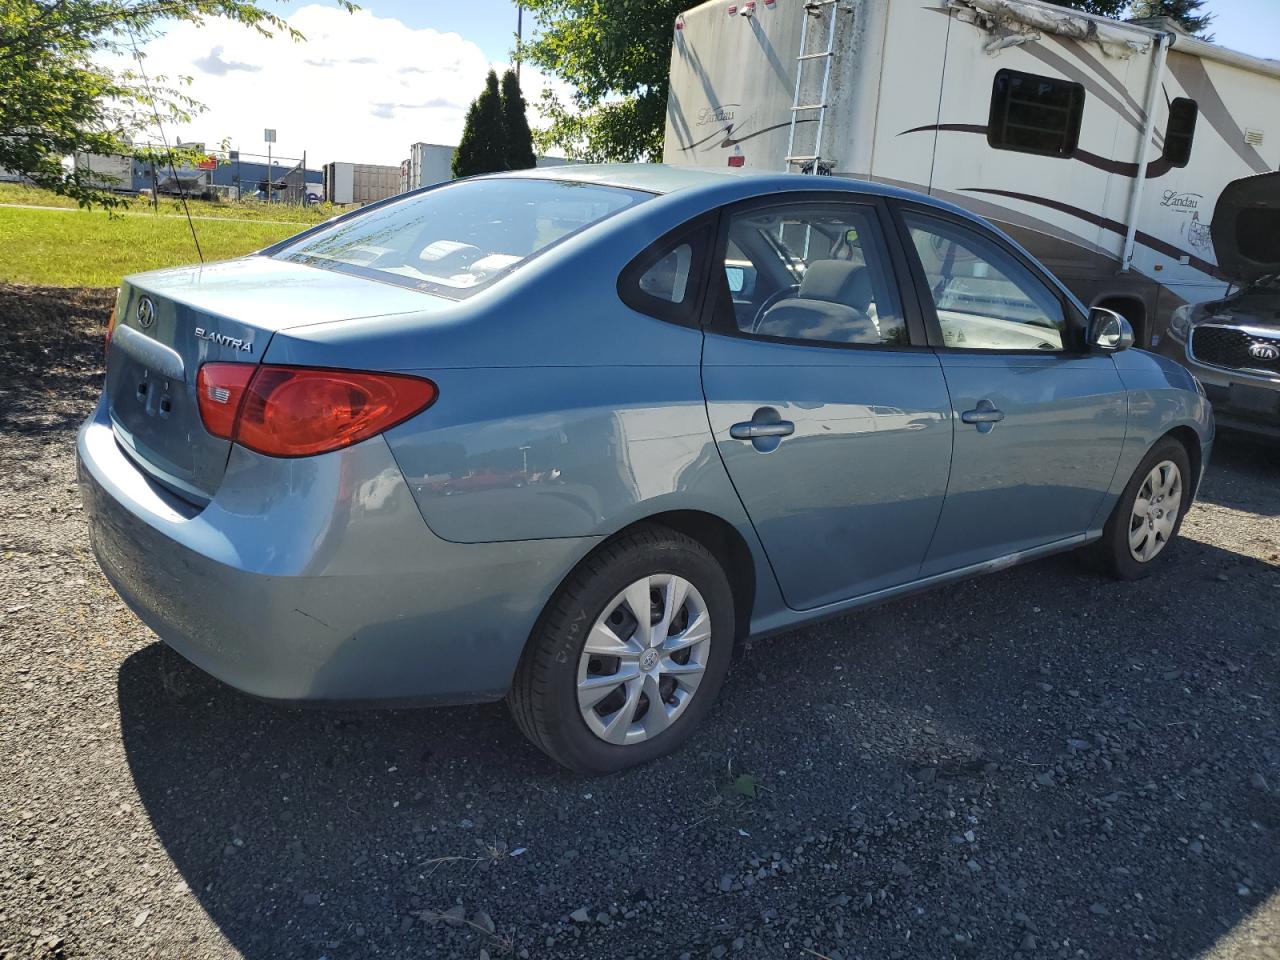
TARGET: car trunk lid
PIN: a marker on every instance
(170, 322)
(1246, 228)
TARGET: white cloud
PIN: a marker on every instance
(360, 88)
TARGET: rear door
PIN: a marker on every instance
(829, 411)
(1038, 420)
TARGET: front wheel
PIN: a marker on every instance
(629, 655)
(1148, 515)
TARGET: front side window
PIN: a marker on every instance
(457, 239)
(811, 271)
(1180, 132)
(1034, 114)
(984, 297)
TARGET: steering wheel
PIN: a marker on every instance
(780, 294)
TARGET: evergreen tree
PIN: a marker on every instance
(515, 122)
(483, 145)
(1186, 12)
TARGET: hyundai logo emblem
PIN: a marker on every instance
(1264, 351)
(146, 313)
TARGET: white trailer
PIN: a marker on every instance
(1101, 146)
(428, 164)
(432, 163)
(359, 183)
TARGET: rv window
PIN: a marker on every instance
(1034, 114)
(1180, 132)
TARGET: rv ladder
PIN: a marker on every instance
(812, 162)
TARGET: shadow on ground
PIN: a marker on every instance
(1041, 762)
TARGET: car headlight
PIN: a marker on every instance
(1180, 322)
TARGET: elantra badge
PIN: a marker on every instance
(222, 340)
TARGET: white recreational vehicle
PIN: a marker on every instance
(1101, 146)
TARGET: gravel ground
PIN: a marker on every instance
(1038, 764)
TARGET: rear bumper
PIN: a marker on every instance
(316, 579)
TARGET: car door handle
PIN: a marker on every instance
(985, 416)
(754, 431)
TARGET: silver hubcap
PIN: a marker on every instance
(1155, 511)
(644, 659)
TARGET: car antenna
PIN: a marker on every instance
(182, 191)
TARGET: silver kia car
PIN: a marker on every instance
(1232, 344)
(566, 436)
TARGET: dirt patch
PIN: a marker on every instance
(50, 354)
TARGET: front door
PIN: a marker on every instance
(1039, 421)
(830, 413)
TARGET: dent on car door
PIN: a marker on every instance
(1039, 422)
(829, 415)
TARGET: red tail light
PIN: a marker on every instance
(303, 411)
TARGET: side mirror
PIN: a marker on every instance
(1108, 331)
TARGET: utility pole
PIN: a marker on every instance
(269, 136)
(519, 35)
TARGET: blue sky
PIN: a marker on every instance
(1252, 26)
(365, 86)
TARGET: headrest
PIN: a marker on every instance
(836, 281)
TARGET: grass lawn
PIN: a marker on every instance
(77, 248)
(168, 206)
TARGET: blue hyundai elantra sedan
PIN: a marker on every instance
(567, 436)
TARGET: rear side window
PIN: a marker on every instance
(1180, 132)
(1034, 114)
(457, 239)
(665, 279)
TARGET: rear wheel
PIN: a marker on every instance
(1148, 515)
(629, 655)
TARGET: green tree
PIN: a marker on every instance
(483, 148)
(515, 125)
(1185, 12)
(617, 58)
(57, 100)
(1103, 8)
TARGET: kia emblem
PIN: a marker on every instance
(1264, 351)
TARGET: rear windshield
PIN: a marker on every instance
(457, 239)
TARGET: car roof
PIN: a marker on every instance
(660, 178)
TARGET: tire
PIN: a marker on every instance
(1114, 554)
(544, 697)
